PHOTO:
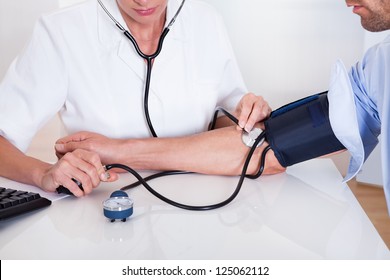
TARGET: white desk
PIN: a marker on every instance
(306, 213)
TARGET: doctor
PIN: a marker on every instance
(78, 64)
(361, 97)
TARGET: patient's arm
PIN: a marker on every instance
(81, 155)
(220, 151)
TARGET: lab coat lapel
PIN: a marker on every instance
(164, 63)
(173, 44)
(129, 56)
(112, 38)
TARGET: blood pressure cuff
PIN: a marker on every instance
(301, 130)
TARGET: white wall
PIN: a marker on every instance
(17, 19)
(286, 47)
(64, 3)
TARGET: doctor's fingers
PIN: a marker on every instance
(94, 160)
(63, 174)
(85, 167)
(72, 166)
(257, 115)
(251, 110)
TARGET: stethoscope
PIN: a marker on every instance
(148, 58)
(119, 205)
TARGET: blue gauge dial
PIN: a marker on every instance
(118, 207)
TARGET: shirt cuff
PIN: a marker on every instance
(343, 118)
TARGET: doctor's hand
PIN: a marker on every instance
(105, 147)
(250, 110)
(81, 165)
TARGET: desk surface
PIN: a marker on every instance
(305, 213)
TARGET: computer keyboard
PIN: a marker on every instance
(14, 202)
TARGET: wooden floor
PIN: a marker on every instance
(372, 200)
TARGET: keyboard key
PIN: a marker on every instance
(14, 202)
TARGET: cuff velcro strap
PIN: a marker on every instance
(301, 130)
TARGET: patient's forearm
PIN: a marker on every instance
(220, 151)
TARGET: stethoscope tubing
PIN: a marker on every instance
(193, 207)
(148, 57)
(143, 181)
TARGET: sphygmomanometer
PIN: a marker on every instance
(301, 130)
(296, 132)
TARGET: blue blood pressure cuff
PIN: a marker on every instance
(301, 130)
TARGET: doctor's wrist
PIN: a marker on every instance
(38, 173)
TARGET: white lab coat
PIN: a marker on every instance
(79, 64)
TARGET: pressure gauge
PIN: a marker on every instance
(250, 138)
(118, 206)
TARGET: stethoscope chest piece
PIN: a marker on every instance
(249, 138)
(118, 207)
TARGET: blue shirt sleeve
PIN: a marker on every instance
(366, 106)
(361, 100)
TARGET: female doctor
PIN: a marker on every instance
(80, 65)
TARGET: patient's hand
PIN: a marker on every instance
(106, 148)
